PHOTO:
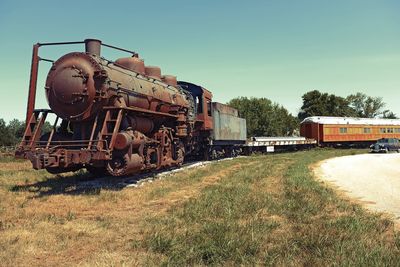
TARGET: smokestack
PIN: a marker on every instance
(93, 46)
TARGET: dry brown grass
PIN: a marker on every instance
(15, 166)
(90, 228)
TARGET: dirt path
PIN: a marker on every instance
(374, 179)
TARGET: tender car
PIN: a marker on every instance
(386, 145)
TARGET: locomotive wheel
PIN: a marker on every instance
(179, 154)
(117, 166)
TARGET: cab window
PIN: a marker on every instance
(209, 108)
(199, 104)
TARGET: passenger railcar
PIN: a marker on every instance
(332, 131)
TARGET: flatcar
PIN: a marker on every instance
(342, 131)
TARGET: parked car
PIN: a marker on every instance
(386, 145)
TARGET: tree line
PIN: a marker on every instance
(12, 133)
(264, 117)
(358, 105)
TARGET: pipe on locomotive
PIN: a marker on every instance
(93, 46)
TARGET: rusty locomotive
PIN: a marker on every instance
(122, 117)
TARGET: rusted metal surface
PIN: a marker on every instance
(32, 83)
(132, 63)
(170, 80)
(93, 47)
(227, 126)
(225, 109)
(77, 88)
(153, 72)
(118, 117)
(72, 89)
(202, 100)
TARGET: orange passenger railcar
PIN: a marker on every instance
(344, 130)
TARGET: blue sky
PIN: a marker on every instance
(274, 49)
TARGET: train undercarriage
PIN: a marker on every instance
(109, 147)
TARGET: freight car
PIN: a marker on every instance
(121, 117)
(345, 131)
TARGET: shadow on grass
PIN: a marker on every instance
(83, 183)
(79, 183)
(73, 184)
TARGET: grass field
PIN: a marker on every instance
(258, 210)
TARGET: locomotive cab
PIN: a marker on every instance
(203, 109)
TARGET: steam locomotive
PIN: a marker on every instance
(122, 117)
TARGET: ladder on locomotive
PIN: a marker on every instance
(33, 129)
(107, 135)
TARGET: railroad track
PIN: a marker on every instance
(140, 179)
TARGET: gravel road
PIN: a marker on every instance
(373, 179)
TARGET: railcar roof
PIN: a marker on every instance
(349, 120)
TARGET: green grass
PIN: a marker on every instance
(296, 222)
(9, 158)
(258, 210)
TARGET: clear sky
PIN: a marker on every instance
(277, 49)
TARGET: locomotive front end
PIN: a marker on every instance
(75, 86)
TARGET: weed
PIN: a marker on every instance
(70, 216)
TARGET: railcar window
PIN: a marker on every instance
(397, 130)
(390, 130)
(382, 130)
(343, 130)
(367, 130)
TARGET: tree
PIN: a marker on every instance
(316, 103)
(366, 106)
(6, 137)
(387, 114)
(263, 117)
(17, 129)
(46, 128)
(359, 105)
